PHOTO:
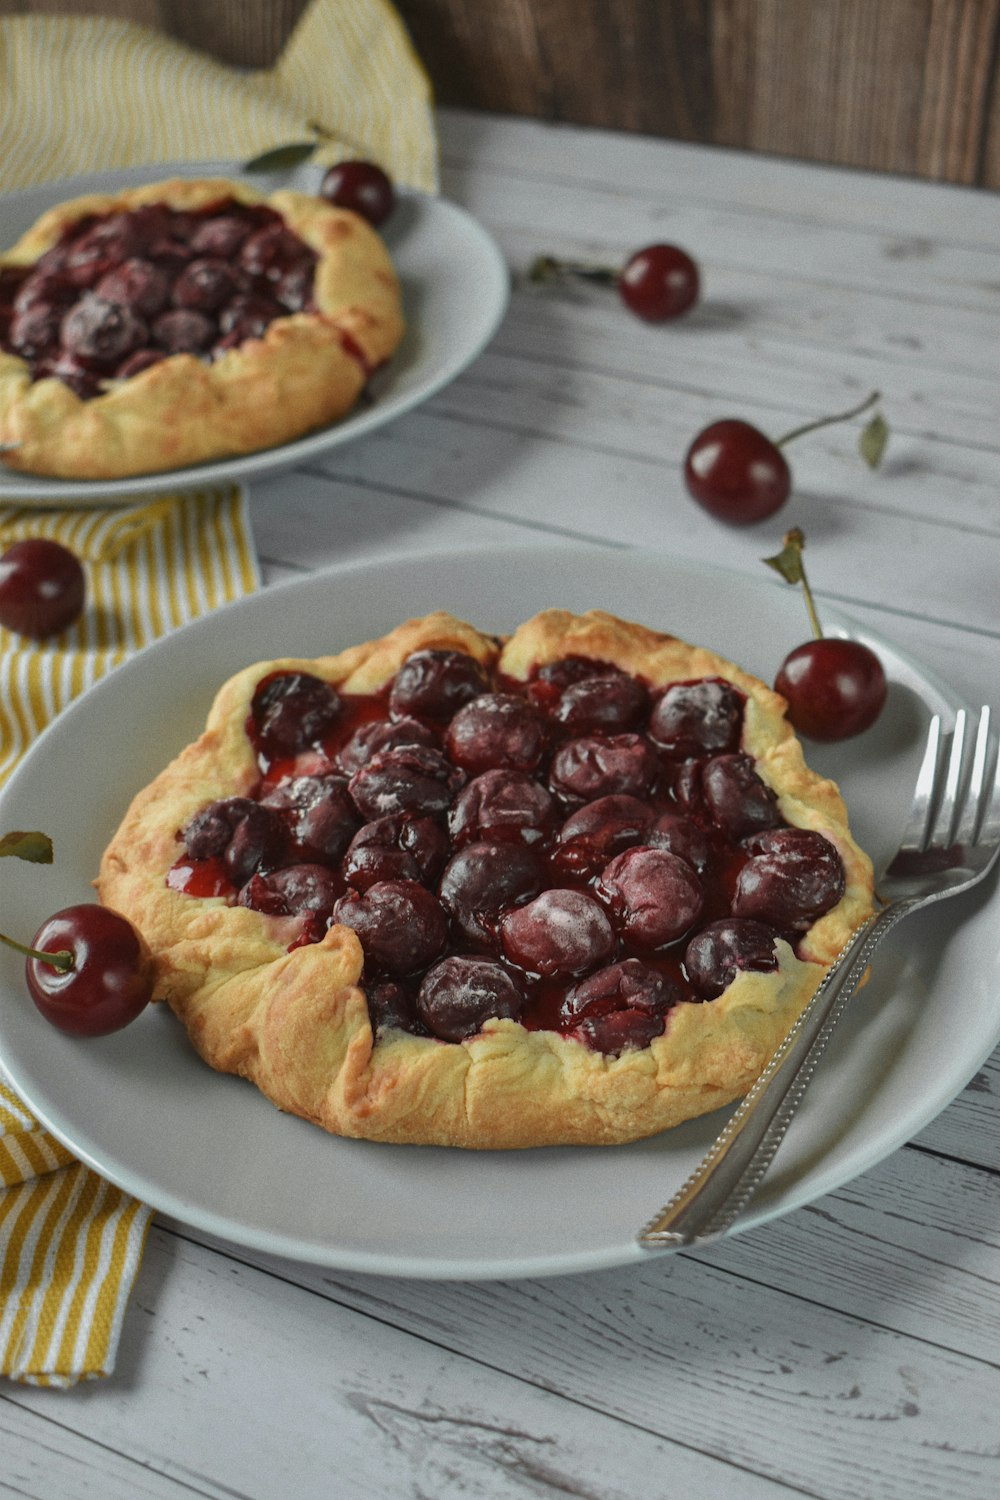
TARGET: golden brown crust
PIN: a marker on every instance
(296, 1022)
(302, 374)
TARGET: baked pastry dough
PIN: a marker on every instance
(295, 1016)
(266, 384)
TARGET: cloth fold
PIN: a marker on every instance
(89, 93)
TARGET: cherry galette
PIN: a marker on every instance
(569, 887)
(186, 321)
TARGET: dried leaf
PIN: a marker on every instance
(281, 158)
(788, 562)
(36, 847)
(871, 443)
(543, 268)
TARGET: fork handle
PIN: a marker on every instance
(721, 1186)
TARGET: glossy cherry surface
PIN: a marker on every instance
(834, 688)
(362, 187)
(117, 294)
(736, 472)
(111, 979)
(547, 849)
(42, 587)
(659, 282)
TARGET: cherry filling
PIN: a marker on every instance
(121, 292)
(582, 852)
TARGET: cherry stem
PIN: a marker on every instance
(546, 267)
(807, 592)
(844, 416)
(61, 960)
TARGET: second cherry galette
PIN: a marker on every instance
(186, 321)
(568, 887)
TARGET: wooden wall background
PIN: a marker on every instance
(897, 85)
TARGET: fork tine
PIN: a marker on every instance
(977, 793)
(989, 833)
(944, 822)
(918, 824)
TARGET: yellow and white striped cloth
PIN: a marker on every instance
(70, 1243)
(88, 93)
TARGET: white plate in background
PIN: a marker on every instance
(456, 288)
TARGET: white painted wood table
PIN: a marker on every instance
(850, 1348)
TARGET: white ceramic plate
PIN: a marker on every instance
(456, 287)
(209, 1150)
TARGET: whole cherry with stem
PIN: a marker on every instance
(835, 687)
(87, 969)
(740, 475)
(657, 283)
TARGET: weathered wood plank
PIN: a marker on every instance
(242, 1383)
(43, 1459)
(643, 167)
(768, 1380)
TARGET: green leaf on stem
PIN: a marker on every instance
(788, 562)
(871, 443)
(281, 158)
(36, 847)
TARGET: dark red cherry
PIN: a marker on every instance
(244, 834)
(435, 684)
(293, 890)
(724, 949)
(291, 711)
(736, 472)
(596, 832)
(413, 779)
(659, 282)
(793, 876)
(697, 718)
(654, 897)
(604, 765)
(401, 926)
(220, 236)
(485, 879)
(834, 688)
(110, 980)
(603, 704)
(42, 587)
(362, 187)
(396, 848)
(497, 731)
(137, 284)
(142, 359)
(738, 799)
(319, 813)
(505, 805)
(381, 734)
(559, 933)
(183, 330)
(34, 332)
(205, 285)
(459, 994)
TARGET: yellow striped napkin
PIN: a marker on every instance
(70, 1243)
(86, 93)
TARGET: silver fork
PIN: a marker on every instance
(951, 841)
